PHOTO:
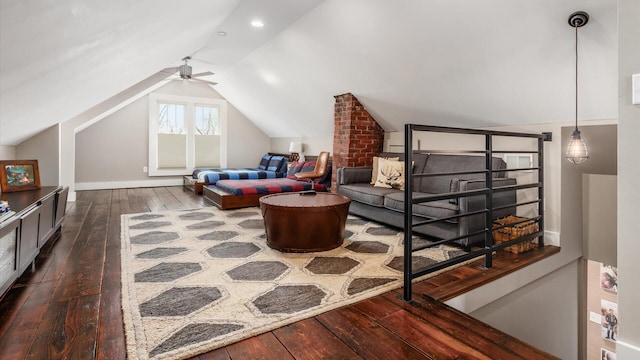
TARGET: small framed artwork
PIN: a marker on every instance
(609, 312)
(606, 354)
(19, 175)
(609, 278)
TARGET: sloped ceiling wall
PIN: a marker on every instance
(455, 63)
(59, 58)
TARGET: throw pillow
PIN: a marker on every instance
(308, 166)
(295, 167)
(390, 174)
(374, 171)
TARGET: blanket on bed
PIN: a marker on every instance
(270, 167)
(266, 186)
(212, 176)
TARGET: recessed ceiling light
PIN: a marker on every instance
(257, 23)
(222, 33)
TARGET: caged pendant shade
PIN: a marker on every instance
(577, 151)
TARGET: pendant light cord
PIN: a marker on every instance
(576, 27)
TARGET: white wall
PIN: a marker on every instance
(530, 315)
(43, 147)
(7, 152)
(310, 145)
(628, 345)
(112, 152)
(115, 148)
(599, 214)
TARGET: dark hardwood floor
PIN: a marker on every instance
(69, 308)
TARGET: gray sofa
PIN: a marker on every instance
(387, 205)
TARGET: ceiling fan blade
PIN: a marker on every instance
(206, 73)
(170, 70)
(205, 81)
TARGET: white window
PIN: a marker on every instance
(185, 133)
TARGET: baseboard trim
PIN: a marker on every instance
(551, 238)
(107, 185)
(625, 350)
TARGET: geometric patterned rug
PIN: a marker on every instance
(197, 280)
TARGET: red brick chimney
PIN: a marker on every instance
(357, 137)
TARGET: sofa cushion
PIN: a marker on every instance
(390, 174)
(432, 209)
(449, 163)
(367, 193)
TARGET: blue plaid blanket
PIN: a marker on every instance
(212, 176)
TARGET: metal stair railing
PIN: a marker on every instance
(488, 248)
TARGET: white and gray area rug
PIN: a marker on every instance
(197, 280)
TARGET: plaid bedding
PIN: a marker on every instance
(212, 176)
(266, 186)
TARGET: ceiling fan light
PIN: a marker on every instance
(185, 71)
(577, 151)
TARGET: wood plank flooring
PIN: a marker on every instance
(69, 308)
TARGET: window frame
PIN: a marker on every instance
(190, 103)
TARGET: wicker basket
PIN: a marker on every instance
(513, 232)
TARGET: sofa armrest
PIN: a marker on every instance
(469, 224)
(501, 198)
(354, 175)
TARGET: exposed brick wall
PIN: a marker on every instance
(357, 137)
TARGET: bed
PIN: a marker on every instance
(271, 167)
(232, 194)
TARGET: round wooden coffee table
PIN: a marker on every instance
(304, 223)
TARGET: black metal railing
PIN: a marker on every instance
(488, 247)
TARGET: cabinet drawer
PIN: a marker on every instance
(8, 254)
(29, 224)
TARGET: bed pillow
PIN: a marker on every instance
(374, 172)
(283, 166)
(264, 162)
(390, 174)
(275, 163)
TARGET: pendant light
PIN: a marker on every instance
(577, 151)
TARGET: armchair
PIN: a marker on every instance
(322, 166)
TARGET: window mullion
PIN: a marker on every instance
(191, 141)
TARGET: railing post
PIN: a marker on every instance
(488, 220)
(541, 190)
(408, 210)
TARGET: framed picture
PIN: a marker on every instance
(19, 175)
(606, 354)
(609, 312)
(609, 277)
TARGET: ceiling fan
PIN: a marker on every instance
(185, 72)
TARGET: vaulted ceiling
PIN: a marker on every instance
(455, 62)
